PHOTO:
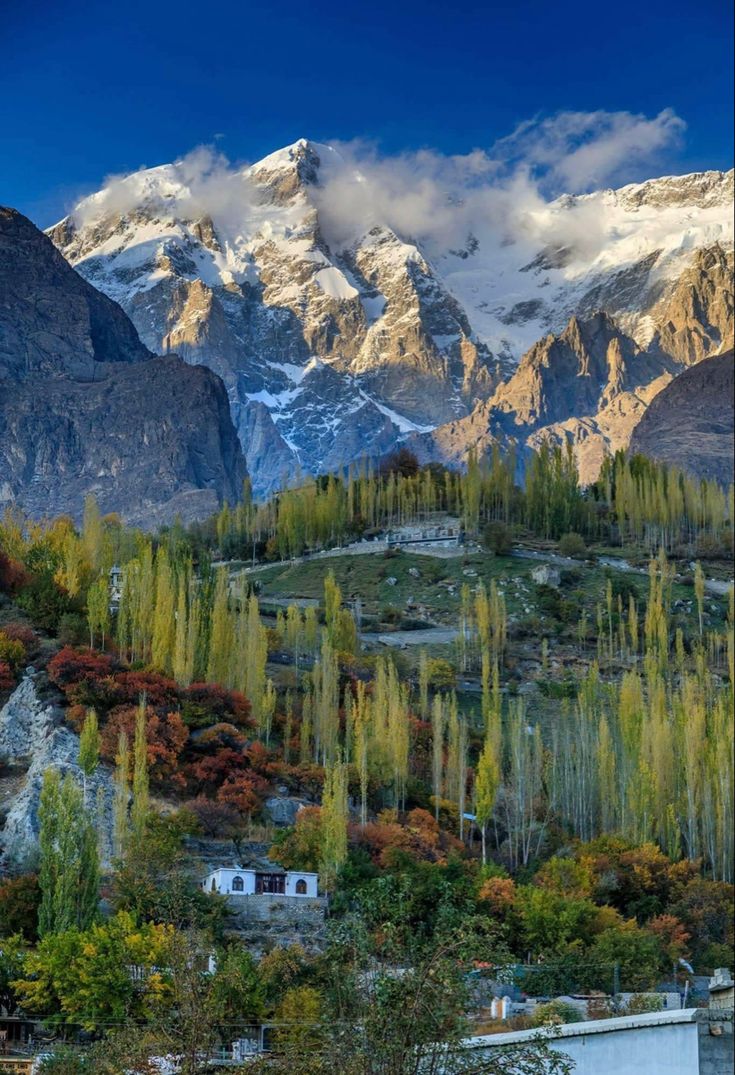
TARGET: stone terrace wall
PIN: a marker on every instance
(270, 921)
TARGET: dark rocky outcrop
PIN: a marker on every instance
(690, 423)
(85, 407)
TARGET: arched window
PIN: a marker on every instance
(213, 886)
(301, 887)
(238, 885)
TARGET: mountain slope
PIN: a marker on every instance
(84, 407)
(334, 343)
(690, 423)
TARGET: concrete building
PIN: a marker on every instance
(692, 1041)
(234, 881)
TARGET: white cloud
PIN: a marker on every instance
(582, 151)
(497, 194)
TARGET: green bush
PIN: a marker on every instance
(641, 1003)
(556, 1012)
(497, 537)
(572, 545)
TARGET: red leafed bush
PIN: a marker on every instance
(13, 576)
(420, 837)
(20, 632)
(158, 690)
(166, 735)
(71, 666)
(220, 735)
(264, 761)
(244, 791)
(7, 678)
(207, 774)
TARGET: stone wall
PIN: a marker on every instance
(266, 907)
(265, 921)
(715, 1042)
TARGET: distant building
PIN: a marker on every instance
(232, 881)
(441, 532)
(116, 585)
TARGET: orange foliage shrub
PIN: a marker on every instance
(244, 791)
(166, 737)
(499, 893)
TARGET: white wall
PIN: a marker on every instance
(667, 1050)
(662, 1044)
(223, 883)
(311, 883)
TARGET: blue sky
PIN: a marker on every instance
(89, 89)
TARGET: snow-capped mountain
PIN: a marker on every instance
(335, 343)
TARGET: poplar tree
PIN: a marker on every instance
(89, 748)
(487, 782)
(699, 593)
(69, 865)
(221, 632)
(141, 796)
(334, 824)
(437, 751)
(98, 610)
(121, 797)
(180, 662)
(163, 613)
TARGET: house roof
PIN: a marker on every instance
(261, 869)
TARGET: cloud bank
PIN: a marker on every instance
(504, 191)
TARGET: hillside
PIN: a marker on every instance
(690, 423)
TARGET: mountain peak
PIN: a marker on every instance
(303, 158)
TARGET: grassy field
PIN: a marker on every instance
(435, 591)
(429, 589)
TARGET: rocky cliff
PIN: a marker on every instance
(33, 738)
(85, 408)
(592, 383)
(334, 342)
(690, 423)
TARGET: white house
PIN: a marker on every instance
(231, 881)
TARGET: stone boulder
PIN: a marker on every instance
(283, 810)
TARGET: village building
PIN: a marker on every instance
(444, 532)
(235, 881)
(116, 586)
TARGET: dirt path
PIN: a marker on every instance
(422, 637)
